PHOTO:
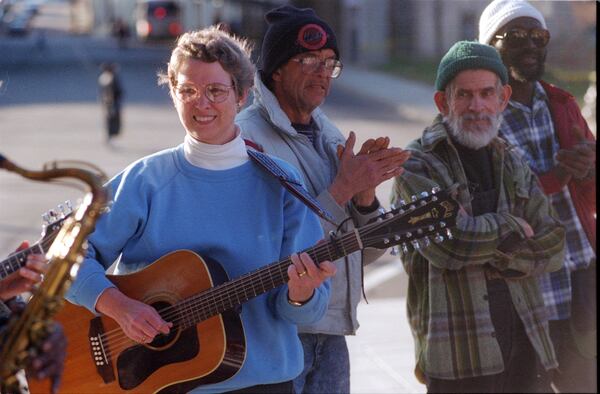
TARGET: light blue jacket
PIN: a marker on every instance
(265, 123)
(241, 217)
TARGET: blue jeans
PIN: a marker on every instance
(326, 365)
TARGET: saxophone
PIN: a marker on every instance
(26, 332)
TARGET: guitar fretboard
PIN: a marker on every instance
(18, 259)
(234, 293)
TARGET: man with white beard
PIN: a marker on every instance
(474, 306)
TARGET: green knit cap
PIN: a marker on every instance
(469, 55)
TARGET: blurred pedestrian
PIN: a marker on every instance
(120, 31)
(475, 310)
(299, 59)
(545, 125)
(111, 94)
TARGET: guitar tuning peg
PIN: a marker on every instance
(449, 233)
(442, 224)
(415, 244)
(426, 241)
(402, 202)
(424, 194)
(431, 227)
(408, 234)
(45, 218)
(62, 210)
(404, 247)
(419, 231)
(52, 214)
(413, 198)
(435, 189)
(394, 251)
(69, 205)
(423, 203)
(397, 238)
(386, 241)
(438, 238)
(392, 206)
(381, 210)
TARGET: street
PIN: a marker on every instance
(49, 111)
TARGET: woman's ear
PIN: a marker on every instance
(241, 101)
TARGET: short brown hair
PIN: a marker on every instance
(212, 44)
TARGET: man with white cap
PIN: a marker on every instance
(545, 125)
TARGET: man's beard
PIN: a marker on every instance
(521, 72)
(477, 138)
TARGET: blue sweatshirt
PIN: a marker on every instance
(241, 217)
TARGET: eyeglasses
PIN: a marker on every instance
(518, 38)
(310, 65)
(214, 92)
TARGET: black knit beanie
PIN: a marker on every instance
(469, 55)
(292, 31)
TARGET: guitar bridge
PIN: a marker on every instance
(99, 351)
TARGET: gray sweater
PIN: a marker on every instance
(265, 123)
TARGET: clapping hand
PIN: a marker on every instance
(359, 174)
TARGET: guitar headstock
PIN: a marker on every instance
(53, 219)
(426, 218)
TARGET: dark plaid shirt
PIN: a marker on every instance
(531, 132)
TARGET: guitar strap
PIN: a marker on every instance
(294, 187)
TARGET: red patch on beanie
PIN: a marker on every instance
(312, 37)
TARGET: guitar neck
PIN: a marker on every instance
(234, 293)
(18, 260)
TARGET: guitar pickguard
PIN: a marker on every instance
(136, 364)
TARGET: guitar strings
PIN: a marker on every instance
(220, 295)
(205, 304)
(195, 307)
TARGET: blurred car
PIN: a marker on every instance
(157, 19)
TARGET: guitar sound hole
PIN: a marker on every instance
(162, 340)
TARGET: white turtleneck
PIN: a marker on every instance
(215, 157)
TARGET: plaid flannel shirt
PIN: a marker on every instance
(447, 293)
(531, 132)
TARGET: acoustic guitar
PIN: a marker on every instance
(206, 343)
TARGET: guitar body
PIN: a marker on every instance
(207, 343)
(208, 352)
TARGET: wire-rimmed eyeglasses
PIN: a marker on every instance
(214, 92)
(311, 64)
